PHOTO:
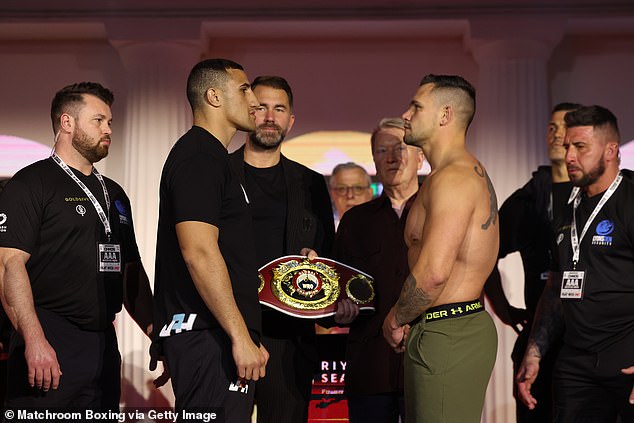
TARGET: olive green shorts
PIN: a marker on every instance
(448, 364)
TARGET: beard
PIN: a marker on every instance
(592, 176)
(267, 140)
(86, 146)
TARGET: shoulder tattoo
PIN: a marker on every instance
(493, 202)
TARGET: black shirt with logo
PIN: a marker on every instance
(605, 314)
(48, 215)
(197, 185)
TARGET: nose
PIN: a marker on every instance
(406, 115)
(252, 100)
(394, 155)
(349, 193)
(107, 128)
(269, 115)
(570, 157)
(560, 133)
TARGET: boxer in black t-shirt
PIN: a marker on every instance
(206, 289)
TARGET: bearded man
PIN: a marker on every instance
(292, 214)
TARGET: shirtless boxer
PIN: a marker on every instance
(452, 236)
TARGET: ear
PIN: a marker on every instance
(290, 123)
(420, 158)
(213, 97)
(66, 122)
(611, 151)
(446, 114)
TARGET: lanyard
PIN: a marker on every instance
(104, 217)
(576, 196)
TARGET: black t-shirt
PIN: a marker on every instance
(197, 185)
(47, 215)
(525, 226)
(266, 189)
(267, 192)
(605, 315)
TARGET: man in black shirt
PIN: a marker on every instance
(526, 226)
(206, 287)
(291, 215)
(68, 259)
(590, 303)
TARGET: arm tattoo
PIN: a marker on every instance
(412, 302)
(493, 202)
(549, 320)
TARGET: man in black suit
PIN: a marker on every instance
(292, 214)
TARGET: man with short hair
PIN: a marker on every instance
(68, 260)
(292, 215)
(452, 235)
(589, 303)
(370, 238)
(350, 185)
(206, 286)
(526, 226)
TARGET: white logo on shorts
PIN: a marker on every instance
(3, 218)
(80, 209)
(240, 386)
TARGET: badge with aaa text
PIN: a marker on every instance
(109, 257)
(572, 282)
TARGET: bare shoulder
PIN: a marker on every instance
(463, 185)
(459, 178)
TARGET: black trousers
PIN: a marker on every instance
(90, 363)
(541, 388)
(376, 408)
(590, 388)
(204, 376)
(283, 395)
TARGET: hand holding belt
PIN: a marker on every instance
(310, 288)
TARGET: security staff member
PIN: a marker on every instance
(590, 303)
(68, 259)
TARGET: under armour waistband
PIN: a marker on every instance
(449, 311)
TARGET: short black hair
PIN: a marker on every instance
(455, 82)
(565, 106)
(450, 81)
(210, 73)
(70, 97)
(595, 116)
(276, 82)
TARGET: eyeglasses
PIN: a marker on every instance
(356, 190)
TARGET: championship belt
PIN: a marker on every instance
(309, 289)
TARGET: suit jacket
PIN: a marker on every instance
(309, 223)
(309, 218)
(370, 238)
